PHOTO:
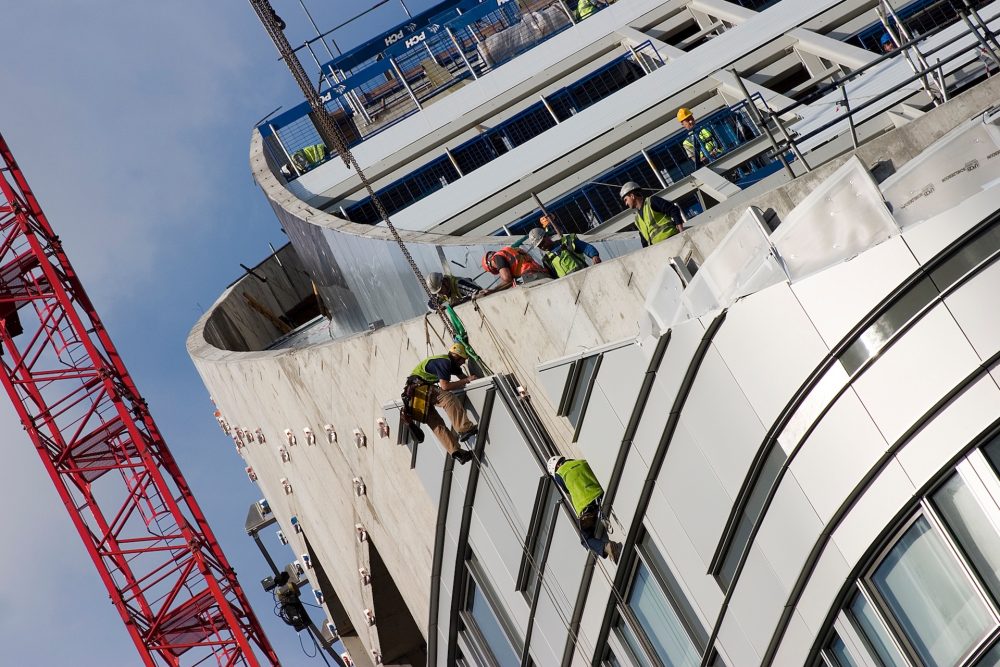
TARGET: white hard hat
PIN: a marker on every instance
(535, 236)
(631, 186)
(434, 281)
(554, 463)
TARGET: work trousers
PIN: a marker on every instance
(452, 407)
(588, 527)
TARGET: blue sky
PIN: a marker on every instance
(131, 121)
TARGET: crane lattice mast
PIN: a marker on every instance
(162, 566)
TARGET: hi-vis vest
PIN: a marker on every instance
(520, 262)
(654, 226)
(581, 483)
(421, 369)
(314, 153)
(584, 8)
(567, 260)
(705, 138)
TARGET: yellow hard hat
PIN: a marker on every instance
(460, 350)
(683, 113)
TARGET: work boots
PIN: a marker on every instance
(613, 550)
(463, 456)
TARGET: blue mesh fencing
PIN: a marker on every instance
(596, 202)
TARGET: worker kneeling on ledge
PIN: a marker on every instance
(578, 481)
(428, 387)
(514, 267)
(563, 256)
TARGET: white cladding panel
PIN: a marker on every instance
(719, 417)
(789, 531)
(684, 341)
(954, 427)
(694, 492)
(563, 572)
(795, 642)
(770, 346)
(838, 453)
(980, 323)
(690, 567)
(836, 299)
(929, 238)
(824, 584)
(600, 435)
(620, 376)
(757, 601)
(883, 497)
(916, 372)
(554, 381)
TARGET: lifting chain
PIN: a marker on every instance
(331, 133)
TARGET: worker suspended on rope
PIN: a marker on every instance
(449, 290)
(514, 267)
(579, 483)
(291, 609)
(428, 387)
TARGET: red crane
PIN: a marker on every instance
(162, 566)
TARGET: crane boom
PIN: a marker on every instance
(162, 566)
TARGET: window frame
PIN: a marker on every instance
(470, 629)
(541, 528)
(575, 383)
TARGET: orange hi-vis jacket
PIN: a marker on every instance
(520, 262)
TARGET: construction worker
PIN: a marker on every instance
(656, 219)
(308, 157)
(564, 256)
(292, 612)
(449, 290)
(585, 8)
(703, 137)
(886, 43)
(429, 386)
(578, 481)
(514, 266)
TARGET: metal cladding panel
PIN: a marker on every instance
(498, 553)
(600, 435)
(981, 325)
(694, 492)
(843, 216)
(509, 470)
(930, 449)
(757, 601)
(955, 167)
(563, 571)
(769, 362)
(916, 372)
(630, 486)
(931, 237)
(735, 646)
(593, 615)
(722, 422)
(795, 643)
(825, 580)
(842, 449)
(789, 531)
(686, 563)
(620, 376)
(429, 459)
(684, 341)
(819, 397)
(887, 494)
(554, 381)
(839, 297)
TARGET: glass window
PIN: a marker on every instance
(928, 594)
(539, 535)
(488, 627)
(659, 622)
(874, 632)
(973, 529)
(837, 653)
(749, 515)
(990, 659)
(581, 378)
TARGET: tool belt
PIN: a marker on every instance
(417, 399)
